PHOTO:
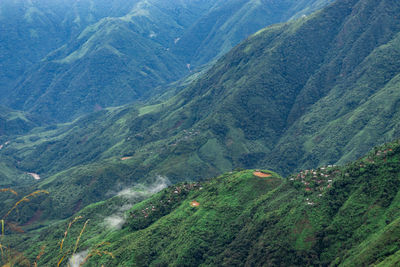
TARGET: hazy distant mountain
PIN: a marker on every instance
(32, 29)
(107, 53)
(230, 22)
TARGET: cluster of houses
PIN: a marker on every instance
(177, 191)
(186, 136)
(3, 145)
(379, 153)
(316, 181)
(383, 153)
(186, 187)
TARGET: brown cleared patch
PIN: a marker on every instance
(261, 174)
(126, 158)
(15, 228)
(78, 206)
(34, 218)
(92, 181)
(194, 204)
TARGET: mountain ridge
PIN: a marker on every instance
(113, 60)
(341, 215)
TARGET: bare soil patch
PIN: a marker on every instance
(261, 174)
(194, 204)
(34, 218)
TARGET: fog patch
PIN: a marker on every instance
(114, 221)
(159, 184)
(132, 196)
(77, 259)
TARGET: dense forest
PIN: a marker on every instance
(199, 133)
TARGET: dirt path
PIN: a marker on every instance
(126, 158)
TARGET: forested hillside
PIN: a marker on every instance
(330, 215)
(264, 152)
(316, 91)
(62, 59)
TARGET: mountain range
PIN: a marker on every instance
(107, 53)
(293, 96)
(311, 96)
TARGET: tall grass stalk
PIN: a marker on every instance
(9, 190)
(80, 235)
(97, 251)
(39, 256)
(25, 199)
(67, 230)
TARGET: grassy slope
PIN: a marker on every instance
(14, 122)
(243, 219)
(353, 88)
(112, 62)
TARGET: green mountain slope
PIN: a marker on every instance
(15, 122)
(32, 29)
(112, 64)
(244, 219)
(275, 101)
(228, 23)
(342, 216)
(112, 60)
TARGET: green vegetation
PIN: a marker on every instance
(14, 122)
(317, 91)
(228, 23)
(332, 215)
(112, 53)
(275, 101)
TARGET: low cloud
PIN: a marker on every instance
(77, 259)
(133, 195)
(114, 221)
(159, 184)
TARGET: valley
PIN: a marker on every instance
(188, 133)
